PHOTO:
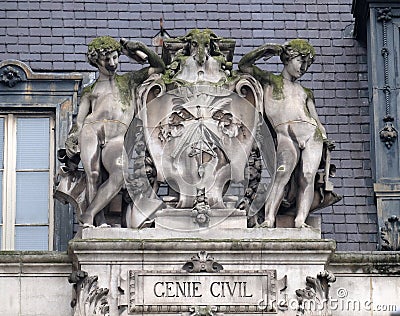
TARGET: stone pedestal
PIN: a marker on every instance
(190, 220)
(225, 271)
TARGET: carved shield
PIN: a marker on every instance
(199, 138)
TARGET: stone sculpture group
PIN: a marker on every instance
(192, 125)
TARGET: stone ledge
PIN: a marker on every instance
(366, 262)
(198, 243)
(172, 252)
(203, 233)
(34, 257)
(34, 263)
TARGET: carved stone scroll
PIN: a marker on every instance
(314, 298)
(89, 300)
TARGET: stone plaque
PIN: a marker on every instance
(227, 291)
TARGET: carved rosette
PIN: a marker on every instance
(390, 234)
(315, 295)
(10, 76)
(384, 15)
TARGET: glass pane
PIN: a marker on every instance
(1, 236)
(33, 143)
(31, 238)
(1, 142)
(32, 198)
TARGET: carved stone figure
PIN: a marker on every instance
(190, 123)
(300, 136)
(200, 56)
(105, 111)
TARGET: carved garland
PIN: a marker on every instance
(388, 133)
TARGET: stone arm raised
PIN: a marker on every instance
(141, 53)
(266, 51)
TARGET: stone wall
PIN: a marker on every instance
(52, 35)
(35, 283)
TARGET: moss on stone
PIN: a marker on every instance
(309, 93)
(88, 89)
(277, 86)
(104, 43)
(302, 46)
(124, 83)
(318, 135)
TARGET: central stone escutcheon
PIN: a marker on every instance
(199, 138)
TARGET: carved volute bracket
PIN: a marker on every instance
(390, 234)
(10, 76)
(316, 293)
(202, 262)
(89, 300)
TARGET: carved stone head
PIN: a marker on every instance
(103, 53)
(201, 45)
(298, 47)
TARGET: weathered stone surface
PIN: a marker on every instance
(196, 233)
(366, 283)
(136, 265)
(32, 278)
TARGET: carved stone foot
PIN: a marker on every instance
(86, 220)
(266, 224)
(300, 223)
(304, 225)
(104, 225)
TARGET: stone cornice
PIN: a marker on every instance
(365, 262)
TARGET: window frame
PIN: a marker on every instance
(9, 188)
